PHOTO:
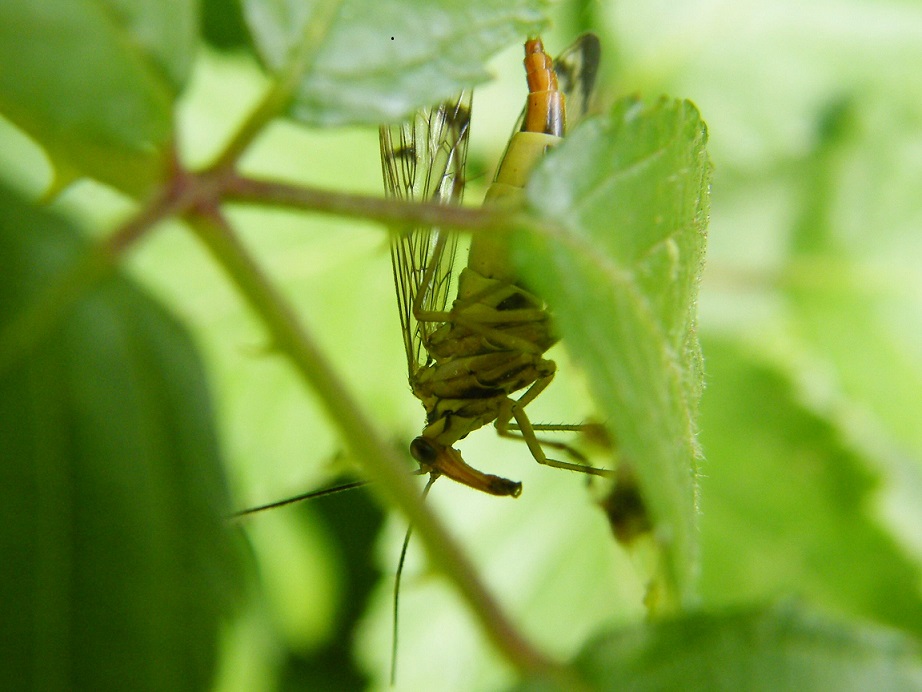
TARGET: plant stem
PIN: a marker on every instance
(380, 462)
(387, 211)
(285, 83)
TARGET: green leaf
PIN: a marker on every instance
(629, 195)
(382, 60)
(788, 505)
(117, 561)
(223, 26)
(94, 82)
(777, 648)
(853, 281)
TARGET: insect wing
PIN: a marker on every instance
(423, 160)
(577, 68)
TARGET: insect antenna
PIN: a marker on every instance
(312, 495)
(400, 562)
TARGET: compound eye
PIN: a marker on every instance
(422, 450)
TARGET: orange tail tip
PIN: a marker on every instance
(546, 109)
(539, 67)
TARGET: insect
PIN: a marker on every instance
(467, 360)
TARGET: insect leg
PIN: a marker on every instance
(477, 302)
(514, 409)
(480, 322)
(593, 431)
(426, 285)
(515, 431)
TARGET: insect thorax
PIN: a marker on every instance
(491, 347)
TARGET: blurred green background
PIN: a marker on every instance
(810, 318)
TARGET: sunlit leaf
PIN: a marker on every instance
(791, 509)
(853, 281)
(381, 60)
(629, 194)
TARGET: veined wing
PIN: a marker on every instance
(577, 68)
(423, 159)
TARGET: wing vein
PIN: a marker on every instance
(423, 159)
